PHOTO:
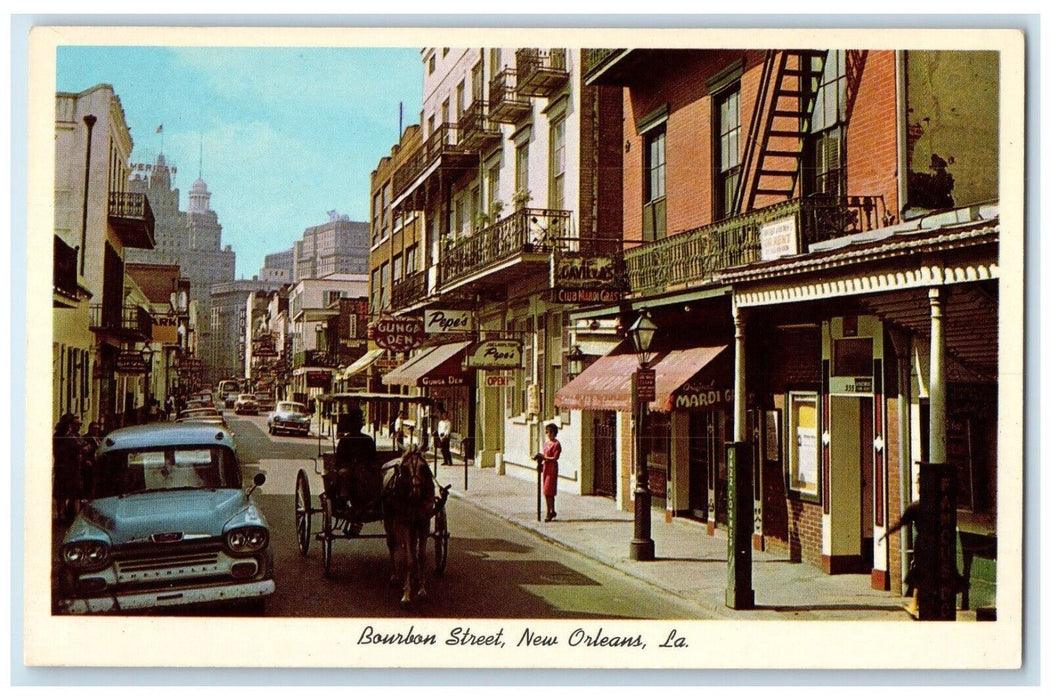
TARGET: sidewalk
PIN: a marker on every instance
(689, 563)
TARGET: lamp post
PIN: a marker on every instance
(575, 360)
(641, 333)
(147, 360)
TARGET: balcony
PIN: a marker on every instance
(314, 358)
(540, 73)
(66, 291)
(477, 131)
(409, 291)
(505, 104)
(442, 149)
(131, 217)
(517, 246)
(693, 257)
(129, 323)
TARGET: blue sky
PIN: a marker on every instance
(284, 134)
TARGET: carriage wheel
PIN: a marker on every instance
(441, 545)
(326, 540)
(302, 512)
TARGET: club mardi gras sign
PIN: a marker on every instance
(585, 278)
(397, 334)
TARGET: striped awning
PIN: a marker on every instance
(687, 378)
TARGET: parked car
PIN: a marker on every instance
(205, 396)
(288, 416)
(198, 403)
(202, 415)
(246, 404)
(265, 402)
(170, 524)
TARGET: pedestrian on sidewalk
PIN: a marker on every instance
(547, 463)
(444, 435)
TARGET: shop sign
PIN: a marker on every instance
(131, 362)
(166, 329)
(694, 396)
(586, 296)
(778, 239)
(318, 379)
(492, 380)
(646, 384)
(581, 271)
(533, 398)
(397, 334)
(448, 321)
(495, 354)
(850, 385)
(451, 380)
(385, 364)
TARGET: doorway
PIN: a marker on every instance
(851, 480)
(605, 454)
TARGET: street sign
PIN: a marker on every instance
(646, 384)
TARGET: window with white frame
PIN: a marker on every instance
(557, 190)
(728, 165)
(654, 208)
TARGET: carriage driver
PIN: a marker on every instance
(356, 454)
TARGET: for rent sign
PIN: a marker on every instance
(397, 334)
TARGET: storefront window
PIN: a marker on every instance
(802, 444)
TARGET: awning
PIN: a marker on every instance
(363, 363)
(686, 379)
(439, 365)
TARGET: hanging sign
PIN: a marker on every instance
(495, 354)
(447, 321)
(646, 384)
(397, 334)
(578, 278)
(130, 362)
(165, 329)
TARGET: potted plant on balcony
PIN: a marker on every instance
(481, 220)
(496, 207)
(521, 198)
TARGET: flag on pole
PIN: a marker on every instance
(160, 129)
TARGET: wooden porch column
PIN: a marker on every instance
(938, 389)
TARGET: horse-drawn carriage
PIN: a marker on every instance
(391, 486)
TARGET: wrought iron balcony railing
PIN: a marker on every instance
(65, 270)
(477, 130)
(593, 59)
(540, 72)
(408, 291)
(505, 104)
(695, 256)
(523, 232)
(134, 322)
(445, 139)
(131, 217)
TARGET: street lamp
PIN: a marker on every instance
(641, 334)
(147, 361)
(575, 360)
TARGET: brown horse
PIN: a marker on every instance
(408, 506)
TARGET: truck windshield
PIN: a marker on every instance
(165, 468)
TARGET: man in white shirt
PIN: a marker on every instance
(445, 428)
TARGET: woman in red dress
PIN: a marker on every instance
(549, 469)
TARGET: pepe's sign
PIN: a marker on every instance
(397, 334)
(445, 321)
(495, 354)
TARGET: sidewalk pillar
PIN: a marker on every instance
(739, 593)
(935, 550)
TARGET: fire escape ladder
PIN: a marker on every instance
(779, 125)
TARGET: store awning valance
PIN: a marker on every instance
(686, 379)
(363, 363)
(439, 365)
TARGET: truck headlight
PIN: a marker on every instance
(242, 540)
(87, 555)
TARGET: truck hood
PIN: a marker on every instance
(192, 512)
